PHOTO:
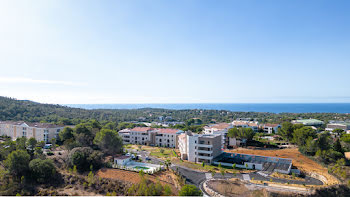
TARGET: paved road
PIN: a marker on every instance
(196, 177)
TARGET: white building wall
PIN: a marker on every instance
(191, 148)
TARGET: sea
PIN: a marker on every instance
(235, 107)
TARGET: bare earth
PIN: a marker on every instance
(134, 177)
(300, 161)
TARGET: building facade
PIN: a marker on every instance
(221, 129)
(199, 147)
(151, 136)
(270, 128)
(246, 124)
(338, 125)
(40, 131)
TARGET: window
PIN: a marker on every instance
(46, 136)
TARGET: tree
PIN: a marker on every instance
(21, 143)
(339, 132)
(286, 131)
(233, 132)
(190, 190)
(222, 171)
(241, 133)
(109, 141)
(83, 157)
(42, 170)
(17, 162)
(53, 142)
(323, 141)
(31, 143)
(301, 135)
(83, 135)
(345, 138)
(66, 133)
(337, 146)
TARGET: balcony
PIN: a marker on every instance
(205, 145)
(204, 151)
(204, 157)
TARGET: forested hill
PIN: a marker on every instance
(12, 109)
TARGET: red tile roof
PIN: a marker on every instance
(220, 126)
(168, 131)
(141, 129)
(270, 125)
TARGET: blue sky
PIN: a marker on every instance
(187, 51)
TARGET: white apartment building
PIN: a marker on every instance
(220, 128)
(40, 131)
(150, 136)
(246, 124)
(199, 147)
(270, 128)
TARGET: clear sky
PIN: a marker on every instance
(150, 51)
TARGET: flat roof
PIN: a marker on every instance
(309, 121)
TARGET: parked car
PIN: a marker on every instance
(47, 146)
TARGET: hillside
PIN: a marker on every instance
(12, 109)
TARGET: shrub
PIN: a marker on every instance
(17, 162)
(190, 190)
(84, 157)
(42, 170)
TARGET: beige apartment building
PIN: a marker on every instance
(151, 136)
(40, 131)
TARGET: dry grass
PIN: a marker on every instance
(234, 187)
(286, 176)
(165, 177)
(300, 161)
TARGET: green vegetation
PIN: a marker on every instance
(190, 190)
(241, 133)
(147, 188)
(83, 158)
(109, 141)
(12, 109)
(42, 170)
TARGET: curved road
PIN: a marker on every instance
(196, 177)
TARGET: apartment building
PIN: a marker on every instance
(246, 124)
(40, 131)
(167, 137)
(151, 136)
(338, 125)
(199, 147)
(220, 128)
(270, 128)
(137, 135)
